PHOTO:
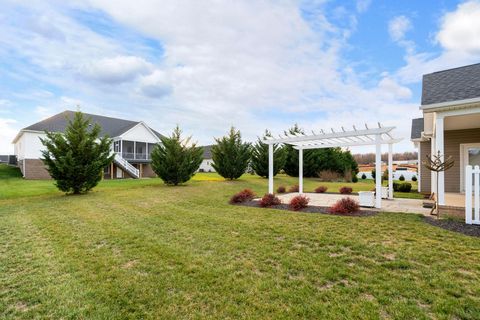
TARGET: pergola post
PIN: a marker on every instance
(378, 172)
(390, 171)
(270, 168)
(300, 170)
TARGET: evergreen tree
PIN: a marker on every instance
(260, 157)
(291, 161)
(174, 160)
(75, 159)
(230, 155)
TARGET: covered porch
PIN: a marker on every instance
(452, 133)
(137, 151)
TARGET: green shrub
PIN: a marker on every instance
(402, 187)
(230, 155)
(414, 178)
(364, 176)
(174, 160)
(402, 178)
(260, 157)
(354, 179)
(75, 158)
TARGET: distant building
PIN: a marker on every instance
(207, 162)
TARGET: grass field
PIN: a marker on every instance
(12, 186)
(138, 249)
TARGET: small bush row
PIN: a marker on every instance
(345, 206)
(298, 203)
(242, 196)
(402, 187)
(268, 200)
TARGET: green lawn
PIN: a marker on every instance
(139, 249)
(12, 186)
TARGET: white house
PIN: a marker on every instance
(450, 126)
(133, 142)
(206, 165)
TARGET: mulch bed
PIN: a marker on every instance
(455, 226)
(311, 209)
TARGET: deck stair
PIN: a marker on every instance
(126, 166)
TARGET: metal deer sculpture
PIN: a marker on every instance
(436, 164)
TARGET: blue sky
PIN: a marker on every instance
(209, 65)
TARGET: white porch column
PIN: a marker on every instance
(433, 176)
(378, 172)
(270, 168)
(300, 170)
(440, 148)
(134, 150)
(121, 147)
(390, 171)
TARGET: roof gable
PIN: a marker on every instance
(417, 129)
(451, 85)
(113, 127)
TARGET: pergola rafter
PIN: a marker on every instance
(343, 138)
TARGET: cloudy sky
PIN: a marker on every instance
(207, 65)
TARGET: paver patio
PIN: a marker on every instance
(395, 205)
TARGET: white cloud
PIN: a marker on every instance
(116, 70)
(252, 64)
(155, 85)
(460, 29)
(8, 131)
(398, 27)
(362, 5)
(459, 37)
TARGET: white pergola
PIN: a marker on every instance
(344, 138)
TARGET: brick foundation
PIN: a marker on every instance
(34, 169)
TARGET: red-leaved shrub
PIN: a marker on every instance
(298, 203)
(321, 189)
(294, 188)
(269, 199)
(281, 189)
(345, 205)
(345, 190)
(242, 196)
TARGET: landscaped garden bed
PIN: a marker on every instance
(455, 226)
(311, 209)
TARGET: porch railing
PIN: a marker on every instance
(135, 156)
(472, 190)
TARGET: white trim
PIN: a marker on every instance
(463, 153)
(146, 127)
(361, 135)
(419, 168)
(449, 104)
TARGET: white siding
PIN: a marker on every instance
(140, 133)
(29, 146)
(206, 166)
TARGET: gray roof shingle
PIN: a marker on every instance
(112, 127)
(207, 151)
(450, 85)
(417, 128)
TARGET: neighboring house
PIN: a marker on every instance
(451, 126)
(133, 142)
(206, 165)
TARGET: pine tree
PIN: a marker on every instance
(260, 157)
(174, 160)
(230, 155)
(291, 162)
(75, 159)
